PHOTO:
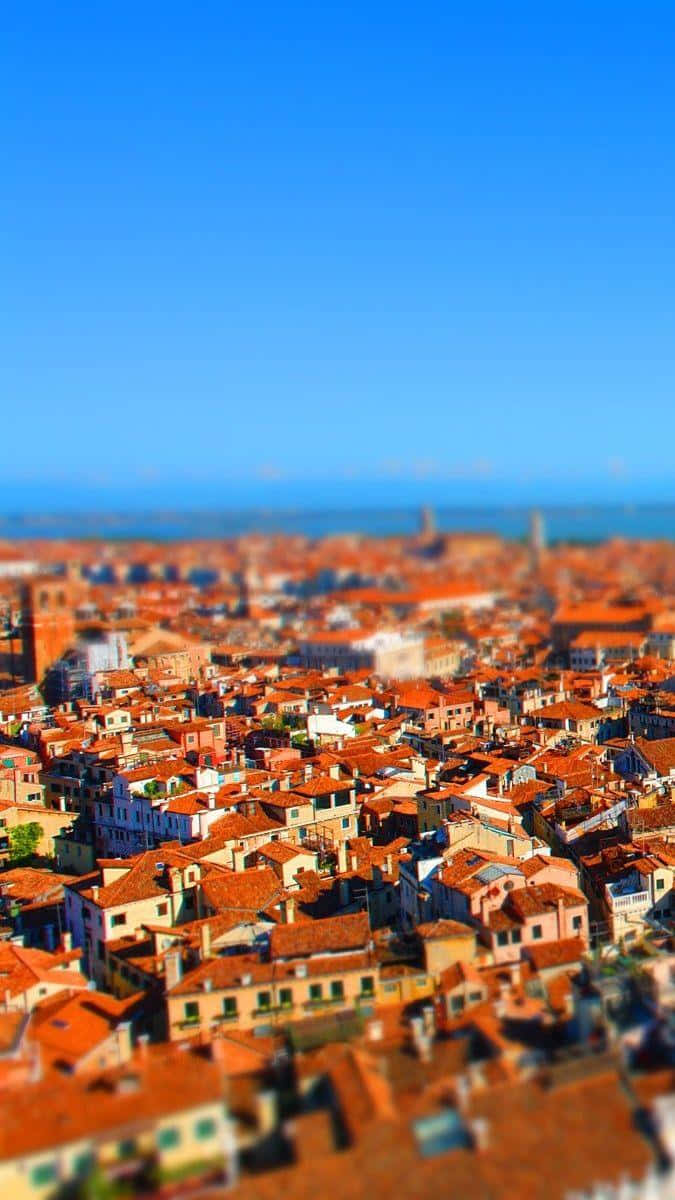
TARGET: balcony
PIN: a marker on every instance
(628, 901)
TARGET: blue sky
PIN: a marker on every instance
(295, 253)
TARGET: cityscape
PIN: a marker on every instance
(337, 601)
(342, 862)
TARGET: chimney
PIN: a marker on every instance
(205, 941)
(123, 1041)
(342, 857)
(173, 969)
(143, 1042)
(287, 910)
(218, 1050)
(421, 1039)
(36, 1052)
(429, 1018)
(560, 905)
(481, 1133)
(66, 941)
(267, 1111)
(211, 800)
(94, 893)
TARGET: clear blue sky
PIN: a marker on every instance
(285, 252)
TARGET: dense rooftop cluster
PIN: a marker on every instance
(343, 863)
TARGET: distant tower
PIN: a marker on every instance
(427, 521)
(537, 535)
(48, 624)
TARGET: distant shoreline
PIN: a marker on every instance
(582, 525)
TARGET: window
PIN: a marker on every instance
(367, 985)
(119, 919)
(457, 1003)
(264, 1000)
(294, 814)
(206, 1128)
(660, 884)
(84, 1163)
(516, 936)
(230, 1006)
(162, 910)
(502, 938)
(576, 922)
(337, 989)
(345, 822)
(43, 1173)
(286, 997)
(315, 991)
(475, 997)
(167, 1138)
(191, 1010)
(536, 932)
(126, 1148)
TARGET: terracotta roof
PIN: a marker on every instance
(330, 935)
(659, 753)
(643, 820)
(165, 1080)
(252, 890)
(565, 952)
(431, 931)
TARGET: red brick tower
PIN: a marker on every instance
(48, 620)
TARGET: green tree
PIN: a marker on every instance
(151, 788)
(24, 841)
(275, 721)
(452, 623)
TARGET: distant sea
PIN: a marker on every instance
(564, 523)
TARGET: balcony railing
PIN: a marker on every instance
(629, 900)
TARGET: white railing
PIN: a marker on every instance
(630, 900)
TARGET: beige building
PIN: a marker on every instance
(159, 1116)
(315, 968)
(52, 823)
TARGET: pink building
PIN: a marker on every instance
(533, 916)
